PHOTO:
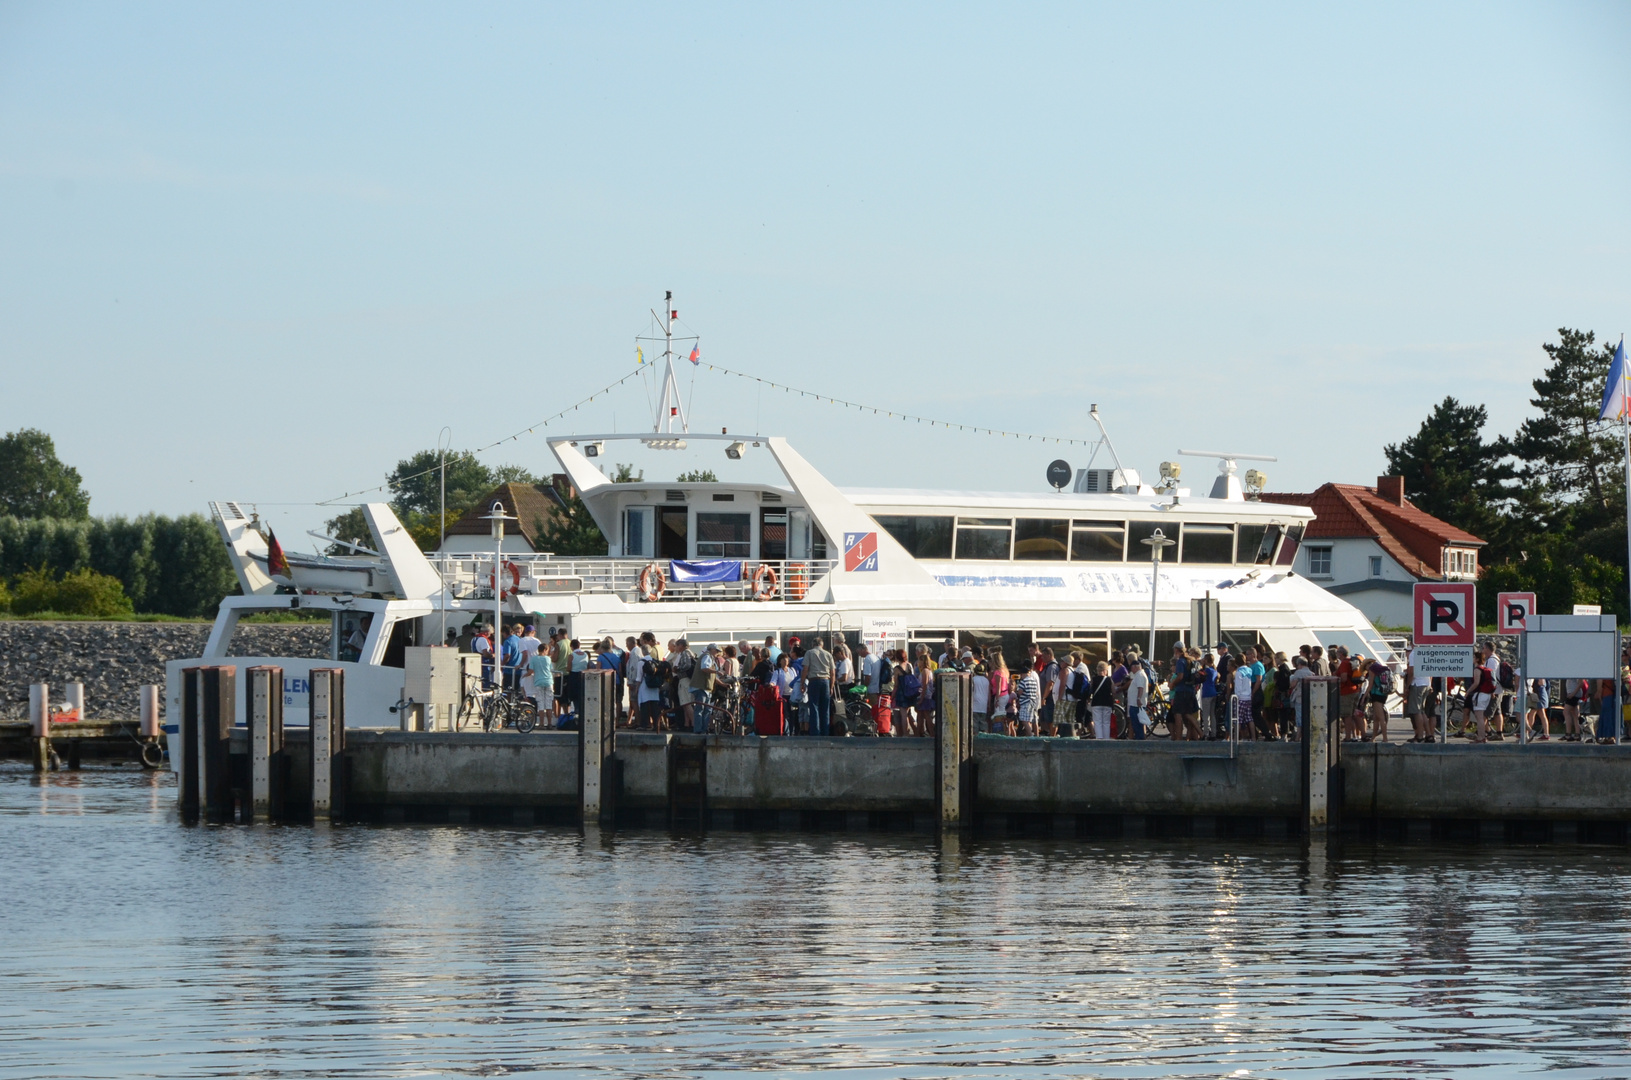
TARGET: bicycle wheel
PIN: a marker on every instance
(526, 717)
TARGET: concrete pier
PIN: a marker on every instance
(1057, 787)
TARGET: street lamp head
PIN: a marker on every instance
(1158, 543)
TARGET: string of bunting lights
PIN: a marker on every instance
(951, 425)
(528, 430)
(772, 384)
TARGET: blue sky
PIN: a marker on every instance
(262, 252)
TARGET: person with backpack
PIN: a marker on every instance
(1101, 700)
(1184, 715)
(908, 693)
(1378, 687)
(1506, 682)
(1485, 687)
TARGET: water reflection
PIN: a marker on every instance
(152, 950)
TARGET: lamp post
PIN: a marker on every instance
(498, 517)
(444, 439)
(1157, 543)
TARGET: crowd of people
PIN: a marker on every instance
(1198, 694)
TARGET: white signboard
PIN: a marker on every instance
(1588, 609)
(1443, 661)
(875, 629)
(1562, 654)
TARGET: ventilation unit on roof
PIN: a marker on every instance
(769, 496)
(675, 495)
(1105, 481)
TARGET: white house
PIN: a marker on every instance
(1370, 545)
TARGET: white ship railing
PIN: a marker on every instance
(469, 577)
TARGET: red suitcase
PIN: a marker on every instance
(767, 711)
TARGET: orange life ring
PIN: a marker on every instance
(652, 582)
(764, 582)
(515, 580)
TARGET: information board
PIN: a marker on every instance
(1442, 661)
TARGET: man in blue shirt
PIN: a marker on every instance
(771, 649)
(511, 657)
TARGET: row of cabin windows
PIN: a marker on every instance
(1063, 539)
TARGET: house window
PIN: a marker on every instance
(1319, 562)
(1376, 566)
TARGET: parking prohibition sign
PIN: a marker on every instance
(1512, 610)
(1445, 613)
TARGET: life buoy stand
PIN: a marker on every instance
(764, 582)
(652, 582)
(514, 572)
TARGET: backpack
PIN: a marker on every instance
(685, 663)
(656, 674)
(1079, 688)
(908, 688)
(1384, 681)
(1509, 678)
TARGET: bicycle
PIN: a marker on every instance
(495, 709)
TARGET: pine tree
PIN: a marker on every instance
(1452, 473)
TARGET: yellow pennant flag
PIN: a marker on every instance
(639, 355)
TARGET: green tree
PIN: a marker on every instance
(1576, 456)
(697, 476)
(1452, 473)
(34, 483)
(570, 530)
(416, 482)
(81, 592)
(625, 474)
(350, 525)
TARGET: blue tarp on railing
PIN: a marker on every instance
(681, 572)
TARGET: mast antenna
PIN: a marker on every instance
(670, 405)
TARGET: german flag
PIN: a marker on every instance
(277, 564)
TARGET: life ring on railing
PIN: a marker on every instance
(798, 581)
(515, 580)
(652, 582)
(764, 582)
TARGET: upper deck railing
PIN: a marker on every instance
(470, 576)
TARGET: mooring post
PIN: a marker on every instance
(1316, 755)
(327, 743)
(218, 712)
(147, 704)
(39, 724)
(954, 750)
(266, 743)
(192, 692)
(596, 733)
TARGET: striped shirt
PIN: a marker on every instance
(1027, 694)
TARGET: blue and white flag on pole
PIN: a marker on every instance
(1614, 393)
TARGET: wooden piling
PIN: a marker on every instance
(192, 681)
(327, 743)
(266, 771)
(218, 712)
(1317, 738)
(596, 739)
(954, 750)
(39, 724)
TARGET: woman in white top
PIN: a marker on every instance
(785, 680)
(651, 697)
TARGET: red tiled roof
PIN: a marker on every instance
(1414, 538)
(530, 504)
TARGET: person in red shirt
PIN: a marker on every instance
(1349, 688)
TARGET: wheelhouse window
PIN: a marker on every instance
(1319, 562)
(922, 537)
(1288, 550)
(724, 536)
(1256, 543)
(984, 538)
(1098, 541)
(1208, 544)
(1041, 539)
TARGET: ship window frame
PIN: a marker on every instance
(1053, 524)
(1215, 529)
(725, 546)
(1099, 525)
(979, 525)
(913, 539)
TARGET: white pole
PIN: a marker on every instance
(498, 598)
(1155, 588)
(1625, 425)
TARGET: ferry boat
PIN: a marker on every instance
(737, 562)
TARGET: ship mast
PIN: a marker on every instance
(670, 406)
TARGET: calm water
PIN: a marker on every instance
(136, 947)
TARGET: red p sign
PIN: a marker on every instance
(1512, 609)
(1444, 613)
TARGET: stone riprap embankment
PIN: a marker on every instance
(112, 659)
